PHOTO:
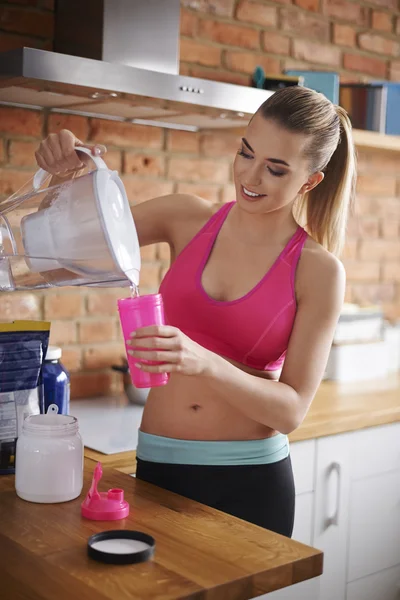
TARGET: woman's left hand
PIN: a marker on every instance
(169, 346)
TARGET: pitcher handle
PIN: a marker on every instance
(41, 175)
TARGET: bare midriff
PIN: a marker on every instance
(187, 409)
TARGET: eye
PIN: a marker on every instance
(276, 173)
(244, 154)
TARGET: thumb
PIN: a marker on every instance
(95, 149)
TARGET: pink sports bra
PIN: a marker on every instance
(253, 330)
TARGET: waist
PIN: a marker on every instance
(156, 448)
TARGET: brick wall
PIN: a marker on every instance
(225, 40)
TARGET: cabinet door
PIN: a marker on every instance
(302, 532)
(374, 526)
(332, 489)
(381, 586)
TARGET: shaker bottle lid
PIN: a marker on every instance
(121, 547)
(104, 506)
(53, 353)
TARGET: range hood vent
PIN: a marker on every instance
(119, 59)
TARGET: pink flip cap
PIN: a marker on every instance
(104, 506)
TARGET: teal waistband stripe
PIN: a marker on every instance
(156, 448)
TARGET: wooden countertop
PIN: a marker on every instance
(201, 553)
(337, 408)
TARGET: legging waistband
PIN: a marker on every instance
(157, 448)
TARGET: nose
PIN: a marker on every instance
(253, 176)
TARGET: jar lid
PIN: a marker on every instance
(121, 547)
(53, 353)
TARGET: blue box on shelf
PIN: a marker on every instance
(373, 106)
(321, 81)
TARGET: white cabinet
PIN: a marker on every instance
(380, 586)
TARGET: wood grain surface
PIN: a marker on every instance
(201, 553)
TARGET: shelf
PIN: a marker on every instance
(379, 141)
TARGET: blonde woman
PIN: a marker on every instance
(252, 300)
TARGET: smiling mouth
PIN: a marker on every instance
(251, 194)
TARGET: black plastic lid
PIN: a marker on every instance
(113, 547)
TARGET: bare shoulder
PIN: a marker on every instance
(321, 275)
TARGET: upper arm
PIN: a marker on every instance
(159, 219)
(321, 287)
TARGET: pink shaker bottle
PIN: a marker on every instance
(142, 311)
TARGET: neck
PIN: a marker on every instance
(255, 228)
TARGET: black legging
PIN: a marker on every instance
(261, 494)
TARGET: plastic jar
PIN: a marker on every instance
(56, 381)
(49, 459)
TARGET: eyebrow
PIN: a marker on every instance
(277, 161)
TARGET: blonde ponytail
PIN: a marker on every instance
(324, 210)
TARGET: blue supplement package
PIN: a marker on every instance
(23, 346)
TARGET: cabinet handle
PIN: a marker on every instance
(334, 518)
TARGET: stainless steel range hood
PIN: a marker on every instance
(119, 59)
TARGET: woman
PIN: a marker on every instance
(251, 303)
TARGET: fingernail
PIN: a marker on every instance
(130, 352)
(138, 365)
(96, 151)
(133, 334)
(128, 342)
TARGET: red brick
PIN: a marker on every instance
(183, 141)
(382, 21)
(63, 305)
(105, 303)
(224, 8)
(394, 70)
(389, 4)
(139, 190)
(125, 134)
(11, 41)
(63, 332)
(364, 227)
(22, 154)
(188, 23)
(378, 44)
(198, 170)
(257, 13)
(290, 64)
(103, 357)
(230, 35)
(346, 10)
(294, 21)
(144, 164)
(316, 53)
(95, 331)
(163, 252)
(150, 277)
(379, 249)
(221, 145)
(11, 181)
(219, 75)
(3, 156)
(374, 206)
(365, 64)
(350, 248)
(373, 293)
(376, 185)
(19, 305)
(113, 158)
(313, 5)
(275, 43)
(25, 21)
(246, 62)
(391, 271)
(208, 192)
(72, 358)
(357, 270)
(75, 123)
(379, 161)
(390, 228)
(18, 121)
(202, 54)
(88, 385)
(344, 35)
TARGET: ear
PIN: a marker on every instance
(312, 182)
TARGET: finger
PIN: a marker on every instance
(48, 157)
(165, 368)
(68, 142)
(155, 330)
(41, 162)
(163, 343)
(165, 356)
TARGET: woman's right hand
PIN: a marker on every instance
(56, 153)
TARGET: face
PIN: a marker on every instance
(270, 167)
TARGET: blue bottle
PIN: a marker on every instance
(56, 381)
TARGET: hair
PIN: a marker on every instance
(323, 210)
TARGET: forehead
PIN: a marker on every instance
(270, 140)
